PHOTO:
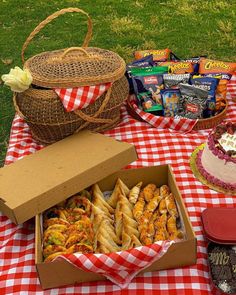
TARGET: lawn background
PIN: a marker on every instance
(188, 28)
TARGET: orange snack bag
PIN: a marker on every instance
(221, 70)
(221, 92)
(158, 54)
(179, 67)
(217, 67)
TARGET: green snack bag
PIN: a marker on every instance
(148, 84)
(148, 105)
(149, 70)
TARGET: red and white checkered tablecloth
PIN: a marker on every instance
(80, 97)
(154, 147)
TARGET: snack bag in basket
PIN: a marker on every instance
(195, 60)
(170, 99)
(210, 84)
(178, 67)
(145, 62)
(173, 80)
(158, 54)
(148, 84)
(221, 70)
(192, 102)
(209, 67)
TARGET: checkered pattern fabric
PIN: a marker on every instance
(154, 147)
(120, 267)
(80, 97)
(178, 124)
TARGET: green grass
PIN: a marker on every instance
(187, 27)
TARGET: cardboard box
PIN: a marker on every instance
(37, 182)
(60, 273)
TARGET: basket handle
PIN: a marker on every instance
(73, 49)
(86, 55)
(52, 17)
(94, 118)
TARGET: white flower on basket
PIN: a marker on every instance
(19, 80)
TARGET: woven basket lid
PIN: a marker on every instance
(75, 66)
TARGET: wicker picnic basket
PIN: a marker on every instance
(43, 110)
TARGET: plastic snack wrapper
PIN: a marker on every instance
(210, 84)
(192, 102)
(148, 84)
(178, 67)
(170, 100)
(158, 54)
(195, 60)
(173, 80)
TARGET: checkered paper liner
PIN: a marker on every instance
(178, 124)
(80, 97)
(154, 147)
(120, 267)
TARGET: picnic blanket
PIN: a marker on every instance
(154, 147)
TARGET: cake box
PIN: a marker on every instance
(219, 227)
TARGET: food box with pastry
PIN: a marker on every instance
(76, 173)
(129, 209)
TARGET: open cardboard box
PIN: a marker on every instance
(43, 179)
(60, 273)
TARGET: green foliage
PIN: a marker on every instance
(187, 27)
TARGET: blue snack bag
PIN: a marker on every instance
(210, 84)
(170, 99)
(195, 60)
(144, 62)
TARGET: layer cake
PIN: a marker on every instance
(217, 161)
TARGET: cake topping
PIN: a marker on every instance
(222, 259)
(224, 286)
(225, 138)
(228, 142)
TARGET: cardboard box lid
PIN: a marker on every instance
(39, 181)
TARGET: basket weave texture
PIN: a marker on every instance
(75, 67)
(43, 110)
(211, 122)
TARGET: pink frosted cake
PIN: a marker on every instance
(217, 161)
